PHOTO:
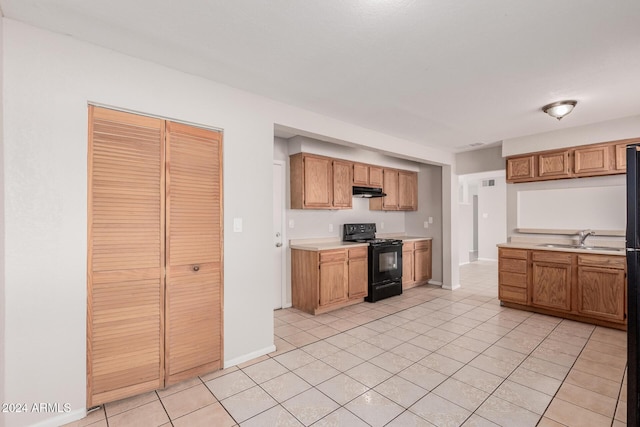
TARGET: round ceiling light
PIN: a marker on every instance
(559, 109)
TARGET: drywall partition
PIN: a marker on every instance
(492, 216)
(2, 253)
(600, 208)
(429, 206)
(48, 81)
(482, 160)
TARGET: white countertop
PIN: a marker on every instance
(328, 244)
(323, 246)
(541, 247)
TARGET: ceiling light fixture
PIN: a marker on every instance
(559, 109)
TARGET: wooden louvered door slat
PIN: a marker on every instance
(125, 335)
(193, 340)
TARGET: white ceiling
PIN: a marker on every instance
(441, 73)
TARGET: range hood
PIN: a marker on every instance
(367, 192)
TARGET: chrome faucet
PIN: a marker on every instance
(583, 234)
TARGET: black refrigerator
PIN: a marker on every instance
(633, 279)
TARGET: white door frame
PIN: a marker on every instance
(283, 285)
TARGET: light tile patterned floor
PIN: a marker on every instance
(428, 357)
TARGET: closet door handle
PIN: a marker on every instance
(196, 267)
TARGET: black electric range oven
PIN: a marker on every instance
(385, 260)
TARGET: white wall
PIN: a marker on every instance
(48, 81)
(2, 258)
(611, 130)
(486, 159)
(599, 132)
(565, 216)
(492, 217)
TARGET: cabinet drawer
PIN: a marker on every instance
(328, 256)
(513, 279)
(422, 244)
(358, 252)
(556, 257)
(408, 246)
(513, 265)
(508, 293)
(618, 262)
(513, 253)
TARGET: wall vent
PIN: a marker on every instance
(489, 183)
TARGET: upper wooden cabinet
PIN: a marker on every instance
(521, 168)
(607, 158)
(367, 175)
(319, 182)
(401, 189)
(554, 164)
(342, 193)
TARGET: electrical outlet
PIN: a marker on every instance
(382, 225)
(292, 223)
(426, 224)
(430, 220)
(237, 225)
(330, 228)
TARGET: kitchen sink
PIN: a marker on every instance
(588, 248)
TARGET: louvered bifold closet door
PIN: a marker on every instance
(193, 339)
(125, 255)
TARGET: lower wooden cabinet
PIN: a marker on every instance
(407, 265)
(333, 275)
(416, 263)
(358, 280)
(584, 287)
(551, 280)
(512, 275)
(422, 261)
(602, 287)
(326, 280)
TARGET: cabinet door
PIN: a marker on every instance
(553, 165)
(390, 187)
(601, 293)
(621, 157)
(333, 277)
(407, 191)
(551, 285)
(358, 273)
(591, 160)
(360, 174)
(407, 264)
(521, 168)
(193, 316)
(375, 176)
(317, 182)
(125, 259)
(342, 193)
(422, 261)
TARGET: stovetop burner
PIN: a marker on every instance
(365, 233)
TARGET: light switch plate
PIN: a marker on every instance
(237, 225)
(292, 223)
(426, 224)
(430, 220)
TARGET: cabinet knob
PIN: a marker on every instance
(196, 268)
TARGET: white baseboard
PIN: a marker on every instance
(451, 288)
(434, 282)
(62, 419)
(465, 263)
(487, 259)
(246, 357)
